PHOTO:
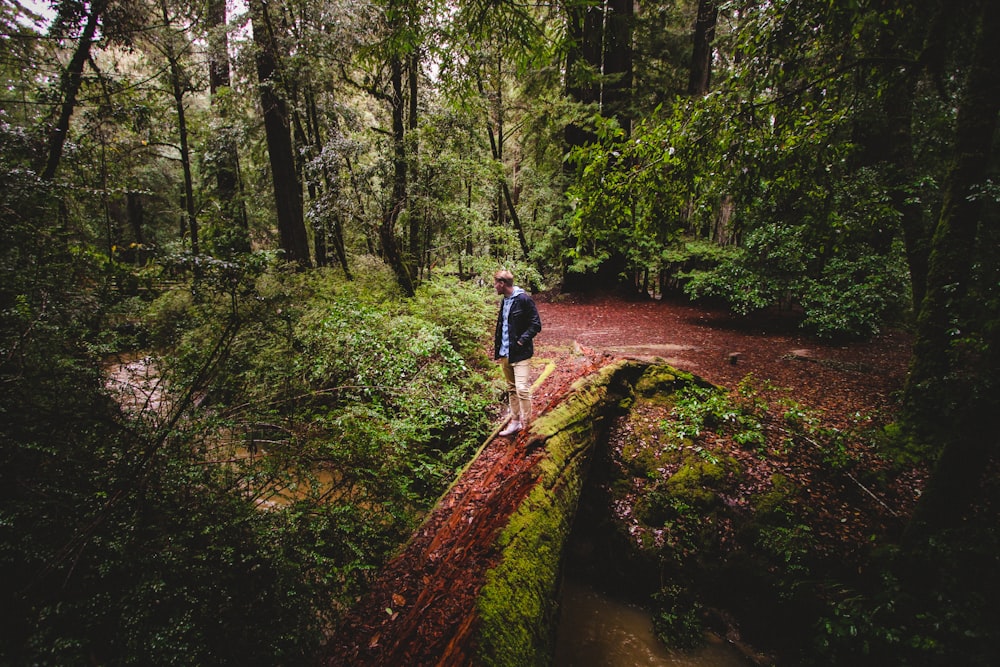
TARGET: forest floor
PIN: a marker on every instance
(420, 610)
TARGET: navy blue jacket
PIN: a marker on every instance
(523, 323)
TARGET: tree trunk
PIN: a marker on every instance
(413, 70)
(336, 233)
(287, 189)
(515, 219)
(227, 164)
(177, 88)
(616, 97)
(585, 29)
(886, 136)
(133, 206)
(305, 145)
(69, 86)
(186, 166)
(387, 230)
(504, 199)
(701, 54)
(946, 403)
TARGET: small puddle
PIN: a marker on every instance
(598, 631)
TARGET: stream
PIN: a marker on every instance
(596, 630)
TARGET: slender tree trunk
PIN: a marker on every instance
(133, 205)
(178, 91)
(497, 141)
(304, 142)
(69, 86)
(413, 71)
(387, 230)
(227, 164)
(515, 219)
(946, 402)
(505, 200)
(287, 189)
(701, 54)
(321, 228)
(336, 233)
(189, 206)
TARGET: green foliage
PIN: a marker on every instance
(931, 605)
(677, 617)
(462, 310)
(137, 538)
(855, 296)
(118, 545)
(764, 272)
(629, 194)
(699, 409)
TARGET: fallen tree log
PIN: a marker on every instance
(478, 582)
(517, 607)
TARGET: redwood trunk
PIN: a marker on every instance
(946, 401)
(287, 189)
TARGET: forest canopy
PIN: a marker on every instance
(289, 209)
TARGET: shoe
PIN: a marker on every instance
(513, 426)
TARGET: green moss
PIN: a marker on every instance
(691, 491)
(517, 605)
(659, 381)
(775, 501)
(656, 380)
(699, 473)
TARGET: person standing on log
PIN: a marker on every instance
(517, 325)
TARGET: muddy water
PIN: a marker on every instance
(598, 631)
(134, 381)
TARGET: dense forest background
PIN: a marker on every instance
(288, 209)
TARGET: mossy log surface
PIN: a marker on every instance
(477, 583)
(517, 606)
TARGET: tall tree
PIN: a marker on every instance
(495, 115)
(179, 87)
(284, 173)
(584, 41)
(412, 124)
(616, 62)
(701, 53)
(226, 162)
(951, 398)
(397, 198)
(394, 43)
(70, 13)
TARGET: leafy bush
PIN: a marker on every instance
(138, 539)
(854, 296)
(701, 409)
(677, 618)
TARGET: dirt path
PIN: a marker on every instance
(420, 610)
(834, 377)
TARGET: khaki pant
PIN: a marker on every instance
(518, 377)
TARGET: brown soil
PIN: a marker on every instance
(421, 607)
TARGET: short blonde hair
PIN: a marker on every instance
(504, 276)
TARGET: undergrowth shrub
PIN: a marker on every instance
(303, 426)
(348, 408)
